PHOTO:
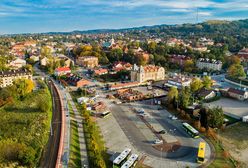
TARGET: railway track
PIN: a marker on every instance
(50, 154)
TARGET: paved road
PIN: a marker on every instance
(50, 154)
(79, 119)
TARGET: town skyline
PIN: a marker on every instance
(69, 15)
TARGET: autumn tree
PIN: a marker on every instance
(236, 71)
(23, 87)
(196, 85)
(45, 52)
(189, 65)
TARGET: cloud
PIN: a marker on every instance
(205, 13)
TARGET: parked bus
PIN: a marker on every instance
(190, 130)
(105, 114)
(131, 162)
(122, 158)
(201, 152)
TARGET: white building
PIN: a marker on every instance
(178, 82)
(209, 64)
(17, 63)
(8, 77)
(146, 73)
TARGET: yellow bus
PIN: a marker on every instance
(201, 152)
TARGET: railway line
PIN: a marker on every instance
(52, 154)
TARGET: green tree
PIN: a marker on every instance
(23, 87)
(184, 97)
(207, 82)
(215, 117)
(196, 85)
(188, 66)
(172, 95)
(46, 52)
(236, 71)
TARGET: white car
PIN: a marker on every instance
(174, 118)
(158, 141)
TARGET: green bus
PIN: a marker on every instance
(190, 130)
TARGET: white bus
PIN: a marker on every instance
(122, 158)
(131, 162)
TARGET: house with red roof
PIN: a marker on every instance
(62, 71)
(101, 71)
(119, 66)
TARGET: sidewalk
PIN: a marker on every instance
(78, 118)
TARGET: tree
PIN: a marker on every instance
(207, 82)
(196, 85)
(184, 97)
(23, 87)
(45, 52)
(236, 71)
(215, 117)
(188, 66)
(172, 94)
(152, 47)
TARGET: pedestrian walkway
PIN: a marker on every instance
(78, 118)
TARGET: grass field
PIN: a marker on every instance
(74, 160)
(235, 140)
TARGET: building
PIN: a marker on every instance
(237, 94)
(119, 66)
(62, 71)
(147, 73)
(243, 55)
(178, 82)
(129, 94)
(87, 61)
(123, 85)
(17, 63)
(44, 61)
(8, 77)
(76, 80)
(179, 59)
(206, 94)
(209, 64)
(99, 106)
(101, 71)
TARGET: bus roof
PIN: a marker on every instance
(190, 128)
(130, 161)
(122, 156)
(201, 150)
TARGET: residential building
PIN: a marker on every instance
(87, 61)
(179, 59)
(8, 77)
(17, 63)
(147, 73)
(200, 49)
(44, 61)
(99, 106)
(206, 94)
(209, 64)
(62, 71)
(243, 55)
(237, 94)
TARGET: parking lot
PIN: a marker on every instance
(232, 107)
(124, 128)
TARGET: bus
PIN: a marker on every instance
(201, 152)
(131, 162)
(122, 158)
(105, 114)
(190, 130)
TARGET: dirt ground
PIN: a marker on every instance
(235, 140)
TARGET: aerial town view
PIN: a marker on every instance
(124, 84)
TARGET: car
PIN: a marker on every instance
(158, 141)
(174, 118)
(141, 111)
(170, 116)
(162, 132)
(143, 114)
(117, 102)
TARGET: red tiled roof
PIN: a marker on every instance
(100, 71)
(63, 69)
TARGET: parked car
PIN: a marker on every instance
(158, 141)
(174, 118)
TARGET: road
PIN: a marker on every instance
(50, 154)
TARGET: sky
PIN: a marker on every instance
(36, 16)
